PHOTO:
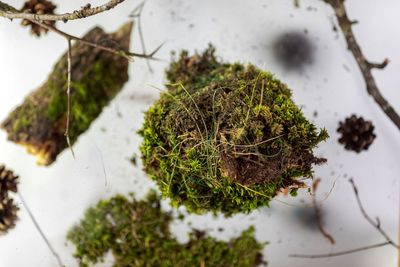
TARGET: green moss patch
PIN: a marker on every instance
(97, 76)
(226, 137)
(137, 233)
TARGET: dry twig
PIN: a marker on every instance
(11, 12)
(375, 223)
(126, 54)
(336, 254)
(137, 14)
(365, 66)
(69, 97)
(318, 217)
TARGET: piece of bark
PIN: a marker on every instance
(39, 123)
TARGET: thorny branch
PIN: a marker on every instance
(137, 14)
(11, 12)
(126, 54)
(365, 66)
(375, 223)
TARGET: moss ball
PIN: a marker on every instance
(226, 137)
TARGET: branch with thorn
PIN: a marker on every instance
(120, 52)
(365, 65)
(375, 223)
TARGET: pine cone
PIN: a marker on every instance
(8, 182)
(8, 215)
(357, 134)
(39, 7)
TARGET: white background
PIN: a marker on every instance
(242, 31)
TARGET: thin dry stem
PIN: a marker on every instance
(66, 134)
(37, 226)
(11, 12)
(126, 54)
(341, 253)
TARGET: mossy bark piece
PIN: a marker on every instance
(39, 123)
(137, 233)
(226, 137)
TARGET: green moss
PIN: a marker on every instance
(40, 121)
(137, 233)
(225, 137)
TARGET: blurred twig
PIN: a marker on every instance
(318, 217)
(336, 254)
(37, 226)
(375, 223)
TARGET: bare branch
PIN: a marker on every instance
(335, 254)
(10, 12)
(365, 66)
(377, 224)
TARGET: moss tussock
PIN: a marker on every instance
(226, 137)
(137, 233)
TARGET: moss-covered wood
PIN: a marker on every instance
(39, 123)
(137, 234)
(226, 137)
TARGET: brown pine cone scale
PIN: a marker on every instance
(8, 182)
(8, 215)
(39, 7)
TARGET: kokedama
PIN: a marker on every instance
(97, 76)
(226, 137)
(137, 233)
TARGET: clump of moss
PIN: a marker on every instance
(137, 233)
(226, 137)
